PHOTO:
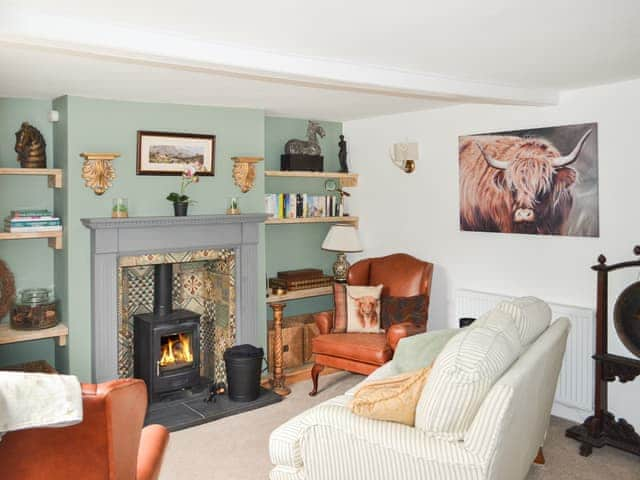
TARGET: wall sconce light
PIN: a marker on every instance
(404, 156)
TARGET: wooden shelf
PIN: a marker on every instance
(8, 335)
(346, 179)
(279, 221)
(299, 294)
(54, 174)
(55, 238)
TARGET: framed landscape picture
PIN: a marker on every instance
(162, 153)
(539, 181)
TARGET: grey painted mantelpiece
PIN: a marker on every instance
(113, 238)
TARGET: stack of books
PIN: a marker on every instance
(302, 205)
(25, 221)
(301, 279)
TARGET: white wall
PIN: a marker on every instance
(418, 213)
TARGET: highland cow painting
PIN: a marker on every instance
(542, 181)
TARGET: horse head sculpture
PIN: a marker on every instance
(30, 147)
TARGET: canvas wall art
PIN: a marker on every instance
(541, 181)
(161, 153)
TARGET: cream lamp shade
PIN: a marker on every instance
(342, 238)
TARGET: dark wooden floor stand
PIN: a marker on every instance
(602, 428)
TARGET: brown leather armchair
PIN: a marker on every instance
(109, 443)
(401, 276)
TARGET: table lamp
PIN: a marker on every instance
(342, 238)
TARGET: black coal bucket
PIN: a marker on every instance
(243, 364)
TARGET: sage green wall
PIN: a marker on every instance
(111, 126)
(298, 246)
(106, 125)
(31, 261)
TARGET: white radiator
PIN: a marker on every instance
(574, 395)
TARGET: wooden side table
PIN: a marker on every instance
(277, 304)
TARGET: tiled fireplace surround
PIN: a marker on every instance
(215, 261)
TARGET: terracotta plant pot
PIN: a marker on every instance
(180, 209)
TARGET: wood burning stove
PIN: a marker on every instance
(166, 342)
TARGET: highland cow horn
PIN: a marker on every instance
(499, 164)
(573, 156)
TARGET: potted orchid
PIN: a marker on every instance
(180, 200)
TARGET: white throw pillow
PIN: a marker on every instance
(463, 374)
(531, 315)
(363, 309)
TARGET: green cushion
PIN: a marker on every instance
(419, 351)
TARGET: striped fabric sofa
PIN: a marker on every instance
(328, 442)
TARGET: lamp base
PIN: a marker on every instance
(340, 268)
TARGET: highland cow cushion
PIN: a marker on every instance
(363, 309)
(402, 309)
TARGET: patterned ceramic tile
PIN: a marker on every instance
(203, 282)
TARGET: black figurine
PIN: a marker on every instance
(342, 155)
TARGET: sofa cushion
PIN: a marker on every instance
(363, 308)
(403, 309)
(340, 307)
(463, 374)
(419, 351)
(392, 399)
(362, 347)
(531, 315)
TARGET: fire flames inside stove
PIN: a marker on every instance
(175, 351)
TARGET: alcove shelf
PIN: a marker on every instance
(54, 174)
(298, 294)
(345, 179)
(280, 221)
(8, 335)
(55, 238)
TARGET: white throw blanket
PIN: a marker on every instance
(31, 400)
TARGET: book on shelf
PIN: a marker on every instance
(301, 274)
(302, 205)
(31, 223)
(32, 220)
(31, 212)
(293, 285)
(53, 228)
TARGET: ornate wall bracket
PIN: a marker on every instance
(244, 172)
(97, 171)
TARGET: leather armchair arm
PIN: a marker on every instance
(400, 330)
(324, 321)
(153, 443)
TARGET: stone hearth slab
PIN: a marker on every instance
(191, 411)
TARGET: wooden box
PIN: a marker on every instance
(292, 345)
(300, 162)
(310, 332)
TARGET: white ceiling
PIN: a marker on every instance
(323, 59)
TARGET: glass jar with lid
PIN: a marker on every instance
(35, 309)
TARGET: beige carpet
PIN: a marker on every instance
(236, 448)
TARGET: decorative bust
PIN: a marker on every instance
(342, 155)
